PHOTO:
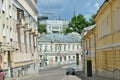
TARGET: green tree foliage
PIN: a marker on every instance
(92, 22)
(42, 28)
(67, 30)
(77, 23)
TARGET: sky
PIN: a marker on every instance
(65, 9)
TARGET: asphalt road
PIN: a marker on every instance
(53, 73)
(58, 73)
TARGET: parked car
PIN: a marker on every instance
(2, 74)
(70, 71)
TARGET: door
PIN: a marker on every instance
(9, 59)
(89, 68)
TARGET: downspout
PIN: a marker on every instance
(95, 52)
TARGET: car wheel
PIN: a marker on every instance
(67, 73)
(73, 73)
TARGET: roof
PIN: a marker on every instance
(101, 7)
(60, 38)
(87, 29)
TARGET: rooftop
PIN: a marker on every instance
(60, 38)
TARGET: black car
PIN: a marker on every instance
(70, 71)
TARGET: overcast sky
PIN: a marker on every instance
(65, 9)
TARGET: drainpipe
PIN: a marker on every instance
(95, 51)
(85, 48)
(83, 42)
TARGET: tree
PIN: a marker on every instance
(67, 30)
(77, 24)
(42, 28)
(92, 22)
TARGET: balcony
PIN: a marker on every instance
(20, 23)
(32, 31)
(27, 28)
(36, 33)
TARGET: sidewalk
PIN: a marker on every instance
(81, 75)
(32, 75)
(23, 77)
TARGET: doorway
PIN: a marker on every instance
(9, 60)
(89, 68)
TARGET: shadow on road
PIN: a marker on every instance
(81, 75)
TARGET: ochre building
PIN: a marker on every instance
(106, 59)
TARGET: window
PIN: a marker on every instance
(77, 47)
(73, 47)
(74, 58)
(4, 31)
(40, 48)
(51, 47)
(56, 59)
(69, 58)
(60, 58)
(10, 10)
(65, 58)
(0, 5)
(68, 47)
(55, 47)
(65, 47)
(118, 17)
(3, 5)
(8, 34)
(7, 9)
(60, 48)
(11, 33)
(45, 48)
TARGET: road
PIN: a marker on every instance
(58, 73)
(53, 73)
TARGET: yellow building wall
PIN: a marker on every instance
(0, 27)
(108, 40)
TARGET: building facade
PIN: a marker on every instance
(108, 47)
(18, 36)
(105, 35)
(56, 49)
(56, 26)
(89, 50)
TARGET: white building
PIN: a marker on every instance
(57, 48)
(56, 26)
(18, 37)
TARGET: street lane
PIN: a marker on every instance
(59, 73)
(52, 73)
